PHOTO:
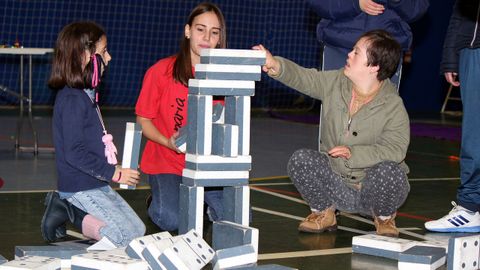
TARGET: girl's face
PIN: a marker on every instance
(356, 67)
(204, 33)
(101, 49)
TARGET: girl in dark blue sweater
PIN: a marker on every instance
(85, 157)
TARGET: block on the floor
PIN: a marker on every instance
(265, 267)
(225, 140)
(421, 258)
(218, 163)
(189, 252)
(227, 72)
(214, 178)
(234, 256)
(152, 251)
(463, 253)
(232, 57)
(3, 260)
(64, 253)
(221, 87)
(382, 246)
(190, 209)
(199, 125)
(102, 260)
(227, 234)
(236, 204)
(434, 243)
(237, 112)
(131, 148)
(137, 245)
(32, 263)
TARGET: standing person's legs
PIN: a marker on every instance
(465, 217)
(214, 201)
(163, 209)
(104, 205)
(468, 194)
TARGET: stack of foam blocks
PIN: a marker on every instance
(218, 153)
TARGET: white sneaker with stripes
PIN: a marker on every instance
(459, 219)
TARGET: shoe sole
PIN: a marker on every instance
(328, 229)
(48, 201)
(448, 230)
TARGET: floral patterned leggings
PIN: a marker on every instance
(383, 190)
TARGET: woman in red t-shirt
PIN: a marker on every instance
(162, 110)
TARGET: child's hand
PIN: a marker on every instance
(272, 66)
(126, 176)
(171, 143)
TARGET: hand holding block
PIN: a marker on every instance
(181, 140)
(131, 148)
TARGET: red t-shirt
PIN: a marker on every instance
(165, 102)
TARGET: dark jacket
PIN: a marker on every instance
(77, 137)
(463, 32)
(343, 21)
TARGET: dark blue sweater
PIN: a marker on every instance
(77, 137)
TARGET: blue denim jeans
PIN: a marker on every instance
(122, 223)
(164, 209)
(468, 194)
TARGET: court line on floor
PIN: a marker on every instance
(358, 218)
(306, 253)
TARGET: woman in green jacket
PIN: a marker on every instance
(364, 138)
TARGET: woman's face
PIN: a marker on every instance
(204, 33)
(356, 67)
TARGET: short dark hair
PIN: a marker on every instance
(182, 69)
(72, 42)
(382, 51)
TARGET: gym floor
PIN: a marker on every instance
(277, 206)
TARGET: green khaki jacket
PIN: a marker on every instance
(379, 131)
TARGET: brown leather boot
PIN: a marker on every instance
(386, 227)
(318, 222)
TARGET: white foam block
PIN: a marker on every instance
(191, 202)
(235, 256)
(382, 246)
(237, 112)
(221, 87)
(463, 253)
(189, 252)
(137, 245)
(421, 258)
(32, 263)
(221, 162)
(227, 72)
(105, 260)
(214, 178)
(131, 148)
(232, 56)
(152, 252)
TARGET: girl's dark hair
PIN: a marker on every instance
(182, 68)
(382, 51)
(70, 47)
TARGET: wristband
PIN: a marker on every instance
(119, 177)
